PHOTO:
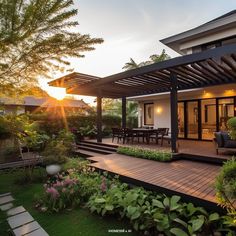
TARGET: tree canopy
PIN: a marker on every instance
(38, 37)
(132, 64)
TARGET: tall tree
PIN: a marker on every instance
(37, 37)
(157, 58)
(132, 64)
(153, 59)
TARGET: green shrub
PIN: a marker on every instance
(59, 148)
(155, 214)
(51, 124)
(75, 163)
(4, 129)
(11, 152)
(231, 123)
(54, 153)
(145, 153)
(226, 188)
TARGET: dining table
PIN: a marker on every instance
(145, 133)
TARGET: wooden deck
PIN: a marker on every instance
(191, 180)
(187, 147)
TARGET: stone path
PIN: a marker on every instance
(19, 220)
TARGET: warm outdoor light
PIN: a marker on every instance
(207, 94)
(229, 92)
(159, 110)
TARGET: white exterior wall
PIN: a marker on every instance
(162, 113)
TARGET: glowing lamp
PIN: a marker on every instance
(159, 110)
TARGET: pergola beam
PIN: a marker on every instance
(123, 112)
(174, 112)
(99, 119)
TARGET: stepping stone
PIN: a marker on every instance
(20, 219)
(6, 207)
(25, 229)
(15, 211)
(6, 199)
(5, 194)
(38, 232)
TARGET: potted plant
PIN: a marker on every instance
(231, 123)
(87, 132)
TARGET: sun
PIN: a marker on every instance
(58, 93)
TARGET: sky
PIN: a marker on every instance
(133, 28)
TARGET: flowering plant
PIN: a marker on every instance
(61, 193)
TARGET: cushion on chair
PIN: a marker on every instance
(230, 144)
(225, 137)
(219, 139)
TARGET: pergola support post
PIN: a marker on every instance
(99, 119)
(174, 112)
(123, 112)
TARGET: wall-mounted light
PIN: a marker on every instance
(207, 94)
(159, 110)
(229, 92)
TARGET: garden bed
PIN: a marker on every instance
(154, 155)
(75, 222)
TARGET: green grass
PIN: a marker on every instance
(69, 223)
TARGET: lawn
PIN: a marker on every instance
(76, 222)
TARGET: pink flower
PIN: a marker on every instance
(63, 190)
(103, 186)
(68, 182)
(57, 184)
(53, 192)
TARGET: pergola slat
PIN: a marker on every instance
(212, 72)
(220, 70)
(229, 62)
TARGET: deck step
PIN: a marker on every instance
(100, 144)
(91, 149)
(85, 153)
(199, 158)
(101, 147)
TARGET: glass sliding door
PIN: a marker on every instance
(208, 118)
(181, 120)
(192, 119)
(201, 118)
(226, 111)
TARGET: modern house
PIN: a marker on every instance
(31, 104)
(193, 94)
(201, 111)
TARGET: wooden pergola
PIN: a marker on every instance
(208, 68)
